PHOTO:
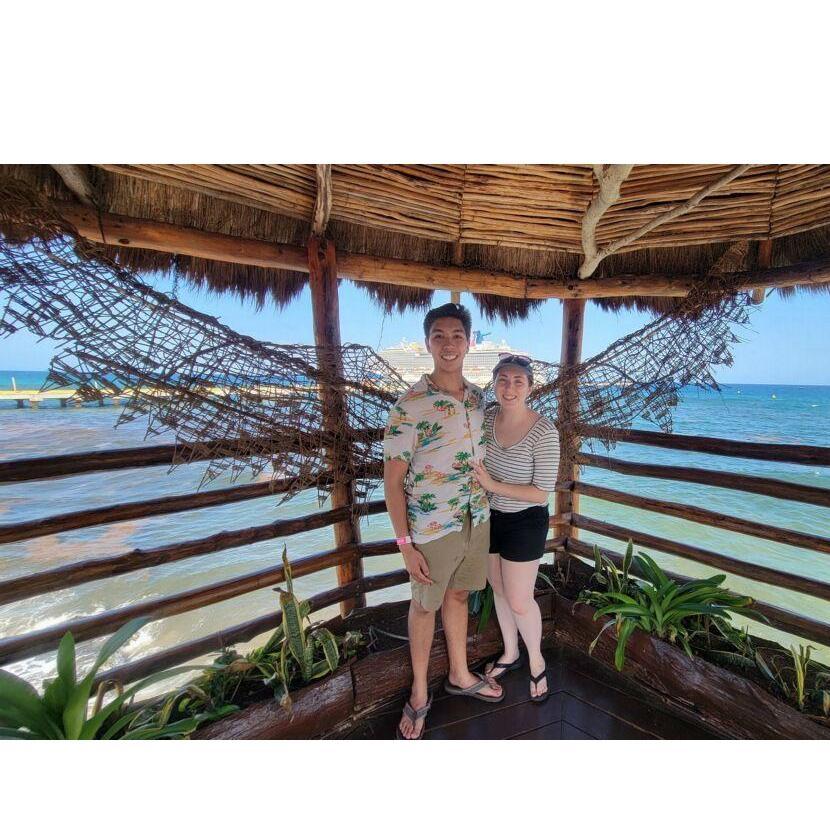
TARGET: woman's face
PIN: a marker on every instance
(512, 387)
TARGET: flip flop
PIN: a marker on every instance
(414, 715)
(536, 681)
(506, 667)
(474, 690)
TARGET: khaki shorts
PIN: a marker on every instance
(457, 560)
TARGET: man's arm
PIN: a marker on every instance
(394, 474)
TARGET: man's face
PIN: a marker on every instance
(448, 343)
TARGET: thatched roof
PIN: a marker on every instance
(523, 220)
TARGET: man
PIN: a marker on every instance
(438, 509)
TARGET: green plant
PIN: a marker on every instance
(606, 572)
(63, 711)
(295, 654)
(656, 604)
(480, 603)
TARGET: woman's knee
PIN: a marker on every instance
(520, 602)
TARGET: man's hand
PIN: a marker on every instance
(416, 564)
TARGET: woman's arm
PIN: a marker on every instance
(522, 492)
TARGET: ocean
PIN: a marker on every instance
(785, 414)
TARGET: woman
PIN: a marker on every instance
(518, 472)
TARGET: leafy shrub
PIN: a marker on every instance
(63, 711)
(655, 603)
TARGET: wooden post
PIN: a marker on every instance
(457, 259)
(567, 502)
(322, 278)
(764, 261)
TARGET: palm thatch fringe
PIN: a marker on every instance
(427, 195)
(507, 309)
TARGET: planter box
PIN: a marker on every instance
(716, 698)
(353, 689)
(316, 709)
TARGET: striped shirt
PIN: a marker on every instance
(533, 460)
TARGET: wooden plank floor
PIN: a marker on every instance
(588, 701)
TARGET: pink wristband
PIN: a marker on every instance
(404, 540)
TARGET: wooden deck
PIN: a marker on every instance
(588, 701)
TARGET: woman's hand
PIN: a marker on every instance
(416, 564)
(483, 477)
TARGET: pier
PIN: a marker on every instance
(65, 397)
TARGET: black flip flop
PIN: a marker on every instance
(474, 690)
(536, 681)
(415, 715)
(506, 667)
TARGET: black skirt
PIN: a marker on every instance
(519, 536)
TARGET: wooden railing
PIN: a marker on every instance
(39, 641)
(783, 619)
(36, 642)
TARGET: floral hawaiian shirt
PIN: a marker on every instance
(439, 436)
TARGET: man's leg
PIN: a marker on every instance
(454, 615)
(421, 630)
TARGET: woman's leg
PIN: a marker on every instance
(509, 632)
(519, 580)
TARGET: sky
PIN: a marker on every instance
(787, 341)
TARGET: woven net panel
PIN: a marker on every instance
(642, 375)
(233, 401)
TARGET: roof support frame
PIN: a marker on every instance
(159, 236)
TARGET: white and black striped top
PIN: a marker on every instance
(533, 460)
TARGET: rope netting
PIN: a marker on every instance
(242, 404)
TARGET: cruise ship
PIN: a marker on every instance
(411, 358)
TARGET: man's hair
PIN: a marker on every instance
(459, 312)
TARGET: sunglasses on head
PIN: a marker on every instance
(519, 360)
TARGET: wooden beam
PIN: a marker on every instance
(609, 178)
(690, 513)
(764, 261)
(763, 486)
(127, 511)
(322, 204)
(76, 179)
(241, 633)
(589, 266)
(788, 453)
(56, 466)
(325, 308)
(748, 570)
(90, 570)
(35, 642)
(567, 502)
(160, 236)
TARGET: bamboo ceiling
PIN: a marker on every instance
(526, 220)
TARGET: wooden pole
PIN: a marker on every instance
(573, 318)
(764, 261)
(457, 259)
(322, 277)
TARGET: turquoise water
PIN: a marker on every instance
(785, 414)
